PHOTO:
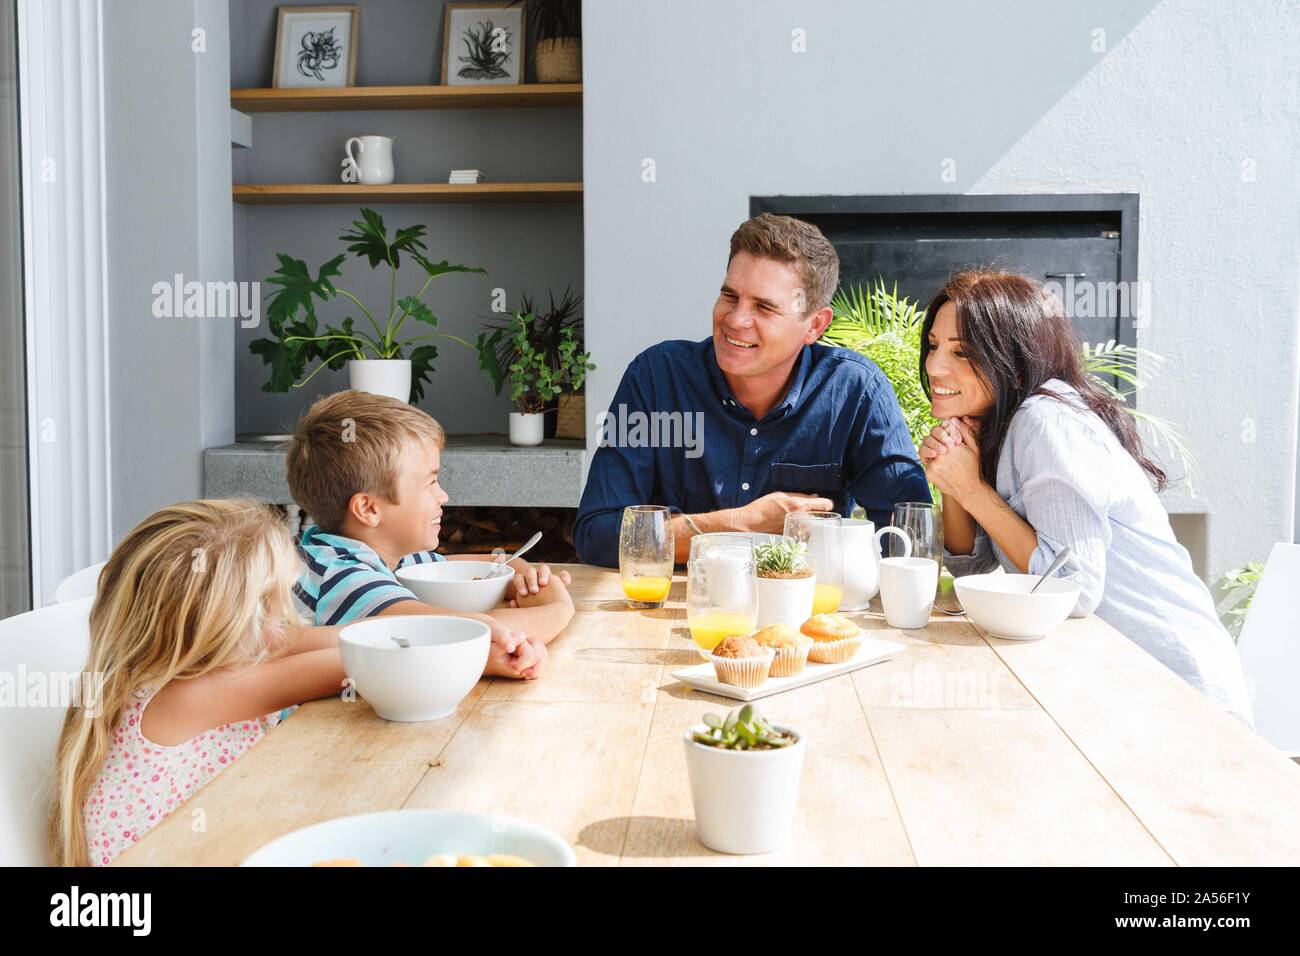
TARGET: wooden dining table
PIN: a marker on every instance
(963, 748)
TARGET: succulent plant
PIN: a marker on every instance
(743, 730)
(783, 558)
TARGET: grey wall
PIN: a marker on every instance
(15, 564)
(167, 118)
(526, 249)
(1015, 95)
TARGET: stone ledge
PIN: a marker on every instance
(477, 470)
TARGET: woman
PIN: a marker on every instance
(1031, 457)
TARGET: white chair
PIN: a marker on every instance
(81, 584)
(1270, 650)
(48, 643)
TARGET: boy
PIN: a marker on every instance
(365, 469)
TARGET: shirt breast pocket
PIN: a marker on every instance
(824, 480)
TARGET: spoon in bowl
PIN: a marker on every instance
(1052, 568)
(537, 536)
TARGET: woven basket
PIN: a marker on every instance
(559, 61)
(571, 419)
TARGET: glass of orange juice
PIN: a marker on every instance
(721, 589)
(821, 532)
(645, 555)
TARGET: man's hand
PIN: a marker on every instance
(768, 512)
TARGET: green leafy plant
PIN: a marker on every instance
(537, 374)
(553, 19)
(1237, 588)
(746, 730)
(782, 558)
(886, 328)
(545, 334)
(298, 336)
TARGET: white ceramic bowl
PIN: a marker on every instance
(1003, 606)
(412, 836)
(425, 681)
(451, 584)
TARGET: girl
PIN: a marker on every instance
(194, 635)
(1032, 456)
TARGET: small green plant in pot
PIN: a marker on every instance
(380, 358)
(785, 582)
(537, 376)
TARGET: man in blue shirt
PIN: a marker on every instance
(757, 421)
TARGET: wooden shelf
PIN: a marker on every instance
(518, 96)
(282, 193)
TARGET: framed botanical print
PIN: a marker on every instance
(316, 46)
(482, 44)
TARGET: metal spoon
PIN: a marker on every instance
(400, 641)
(506, 563)
(1052, 568)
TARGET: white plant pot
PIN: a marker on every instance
(786, 601)
(745, 801)
(391, 377)
(526, 429)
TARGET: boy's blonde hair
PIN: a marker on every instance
(350, 442)
(194, 587)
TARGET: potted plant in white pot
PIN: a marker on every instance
(537, 373)
(786, 583)
(379, 359)
(744, 775)
(556, 26)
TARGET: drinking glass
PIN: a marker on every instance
(645, 555)
(923, 523)
(822, 532)
(721, 589)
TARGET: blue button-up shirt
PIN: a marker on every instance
(838, 433)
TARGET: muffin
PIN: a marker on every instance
(790, 646)
(835, 638)
(741, 661)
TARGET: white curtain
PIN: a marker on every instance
(61, 83)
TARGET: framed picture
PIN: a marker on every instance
(316, 46)
(482, 44)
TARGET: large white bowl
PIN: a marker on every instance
(1003, 606)
(412, 836)
(425, 681)
(451, 584)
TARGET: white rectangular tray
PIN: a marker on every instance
(702, 676)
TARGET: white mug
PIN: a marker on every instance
(907, 587)
(375, 165)
(861, 557)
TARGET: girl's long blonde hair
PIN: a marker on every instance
(194, 587)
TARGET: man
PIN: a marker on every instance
(757, 421)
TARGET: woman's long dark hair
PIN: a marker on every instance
(1017, 337)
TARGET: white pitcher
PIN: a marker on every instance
(373, 164)
(862, 560)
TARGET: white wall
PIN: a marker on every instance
(167, 117)
(1014, 94)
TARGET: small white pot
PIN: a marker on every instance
(785, 600)
(526, 429)
(391, 377)
(745, 801)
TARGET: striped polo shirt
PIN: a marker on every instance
(345, 580)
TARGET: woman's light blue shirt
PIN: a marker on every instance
(1064, 471)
